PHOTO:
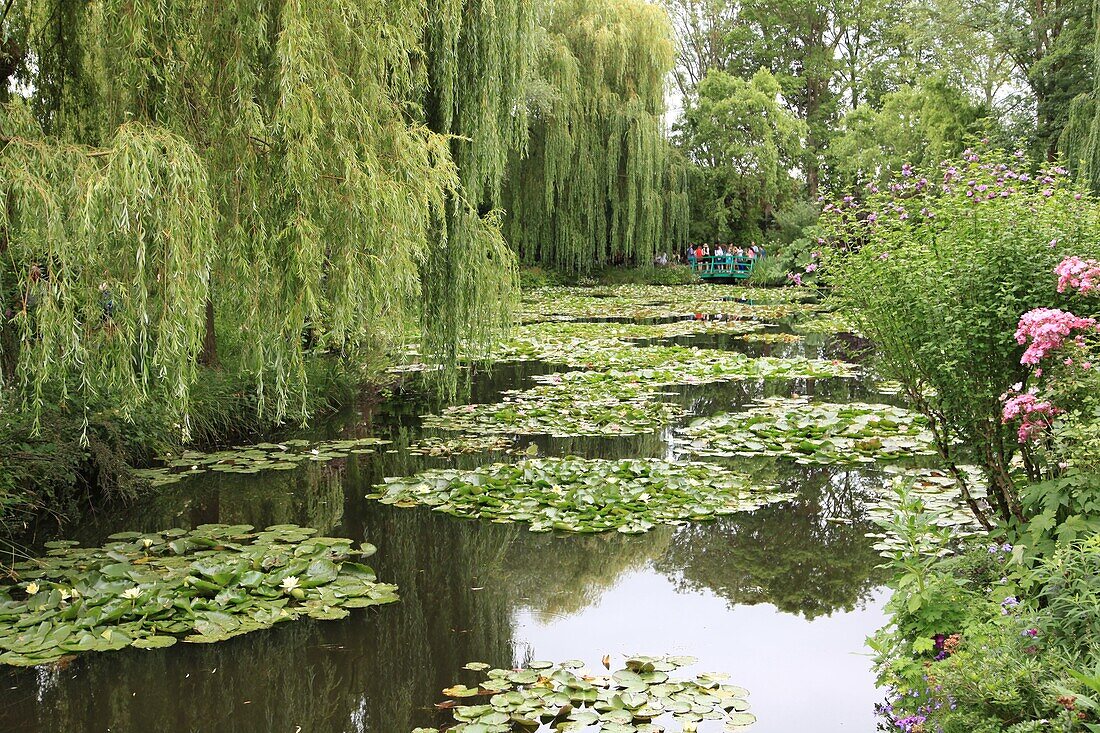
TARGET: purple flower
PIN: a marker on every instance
(910, 723)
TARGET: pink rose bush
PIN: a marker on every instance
(1077, 274)
(1035, 415)
(1044, 330)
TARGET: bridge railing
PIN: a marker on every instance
(737, 267)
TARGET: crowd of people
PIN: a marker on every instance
(695, 252)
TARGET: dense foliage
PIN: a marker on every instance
(938, 274)
(597, 183)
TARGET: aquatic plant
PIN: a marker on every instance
(582, 495)
(148, 590)
(635, 699)
(649, 301)
(283, 456)
(810, 432)
(616, 407)
(460, 445)
(658, 366)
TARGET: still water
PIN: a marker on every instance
(781, 598)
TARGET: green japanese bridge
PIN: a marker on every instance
(724, 267)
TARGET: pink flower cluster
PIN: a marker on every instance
(1078, 274)
(1046, 329)
(1036, 414)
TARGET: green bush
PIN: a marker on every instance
(937, 270)
(996, 661)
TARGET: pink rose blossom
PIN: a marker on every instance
(1044, 330)
(1078, 274)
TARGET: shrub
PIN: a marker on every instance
(937, 269)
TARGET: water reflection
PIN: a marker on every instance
(781, 598)
(496, 593)
(807, 557)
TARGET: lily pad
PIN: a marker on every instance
(571, 699)
(205, 585)
(582, 495)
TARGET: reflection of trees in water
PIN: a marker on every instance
(377, 671)
(312, 496)
(559, 576)
(808, 556)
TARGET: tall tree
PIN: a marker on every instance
(920, 125)
(744, 145)
(1050, 42)
(1080, 141)
(595, 185)
(274, 152)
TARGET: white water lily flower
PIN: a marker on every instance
(289, 583)
(65, 594)
(32, 588)
(131, 593)
(147, 542)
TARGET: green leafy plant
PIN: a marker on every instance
(147, 590)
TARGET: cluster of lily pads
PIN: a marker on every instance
(148, 590)
(687, 365)
(559, 341)
(810, 432)
(616, 408)
(827, 322)
(663, 366)
(582, 495)
(639, 698)
(461, 445)
(774, 337)
(647, 301)
(284, 456)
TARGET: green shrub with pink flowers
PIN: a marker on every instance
(979, 283)
(937, 269)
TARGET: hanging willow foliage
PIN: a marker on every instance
(1080, 140)
(109, 254)
(596, 186)
(480, 53)
(307, 168)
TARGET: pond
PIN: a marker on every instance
(780, 598)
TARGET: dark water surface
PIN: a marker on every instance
(780, 598)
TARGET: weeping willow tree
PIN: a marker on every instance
(252, 183)
(479, 55)
(597, 185)
(1080, 140)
